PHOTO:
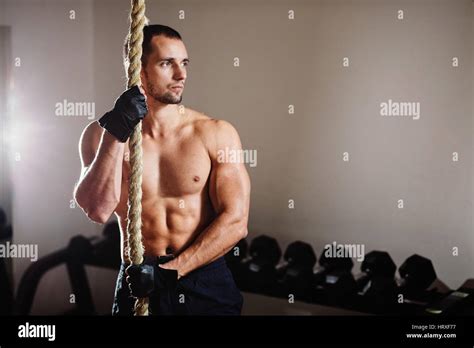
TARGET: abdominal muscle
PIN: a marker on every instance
(169, 224)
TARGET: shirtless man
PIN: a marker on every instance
(194, 206)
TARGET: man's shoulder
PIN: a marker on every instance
(209, 126)
(215, 133)
(92, 129)
(91, 133)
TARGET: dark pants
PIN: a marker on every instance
(209, 290)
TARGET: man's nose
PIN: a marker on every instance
(180, 73)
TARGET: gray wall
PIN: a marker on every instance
(5, 59)
(56, 64)
(282, 62)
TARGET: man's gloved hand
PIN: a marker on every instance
(130, 108)
(143, 279)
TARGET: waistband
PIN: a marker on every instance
(214, 266)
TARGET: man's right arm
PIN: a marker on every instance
(98, 189)
(101, 147)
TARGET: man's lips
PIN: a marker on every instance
(177, 87)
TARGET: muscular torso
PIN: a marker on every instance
(176, 204)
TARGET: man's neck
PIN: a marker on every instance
(161, 120)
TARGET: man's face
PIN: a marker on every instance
(165, 70)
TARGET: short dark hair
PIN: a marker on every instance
(149, 32)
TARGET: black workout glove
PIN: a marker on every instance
(143, 279)
(130, 108)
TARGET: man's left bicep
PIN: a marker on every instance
(230, 189)
(230, 183)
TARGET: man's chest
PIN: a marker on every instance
(172, 169)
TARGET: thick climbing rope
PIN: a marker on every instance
(134, 225)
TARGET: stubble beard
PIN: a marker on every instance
(165, 98)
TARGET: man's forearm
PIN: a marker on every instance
(215, 241)
(100, 186)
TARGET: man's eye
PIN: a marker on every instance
(165, 63)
